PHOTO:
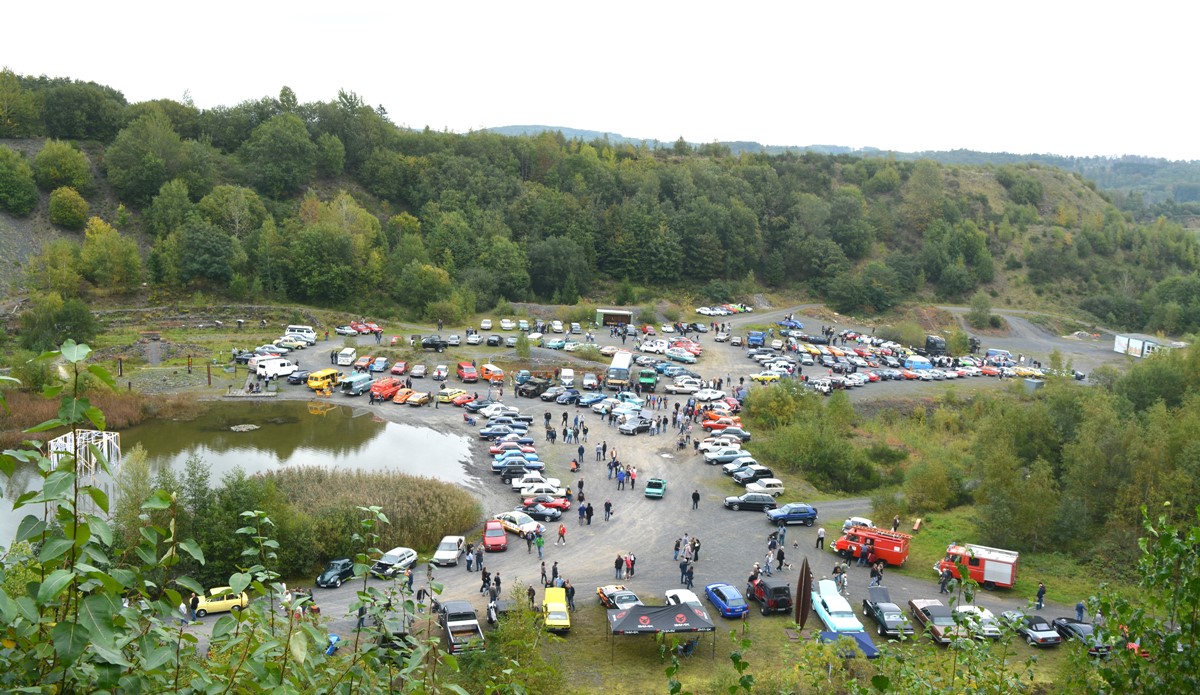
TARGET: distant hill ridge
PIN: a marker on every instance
(1157, 180)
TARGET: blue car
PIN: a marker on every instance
(556, 344)
(590, 399)
(494, 431)
(727, 599)
(568, 397)
(516, 454)
(793, 513)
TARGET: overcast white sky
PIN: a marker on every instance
(1095, 78)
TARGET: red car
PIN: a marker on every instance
(720, 424)
(909, 374)
(372, 327)
(871, 376)
(501, 447)
(547, 501)
(648, 330)
(463, 399)
(360, 327)
(400, 367)
(989, 370)
(494, 537)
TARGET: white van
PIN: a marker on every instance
(305, 333)
(347, 356)
(275, 368)
(567, 378)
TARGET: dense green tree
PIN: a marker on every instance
(924, 196)
(322, 265)
(169, 208)
(506, 261)
(184, 116)
(847, 222)
(50, 321)
(331, 155)
(109, 260)
(981, 310)
(421, 285)
(58, 164)
(235, 209)
(281, 156)
(206, 254)
(18, 109)
(68, 208)
(149, 153)
(18, 192)
(553, 262)
(82, 111)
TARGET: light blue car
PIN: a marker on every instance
(588, 399)
(556, 344)
(516, 454)
(631, 398)
(833, 610)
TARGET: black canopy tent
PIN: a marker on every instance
(653, 620)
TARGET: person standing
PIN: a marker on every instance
(562, 534)
(821, 538)
(600, 457)
(570, 595)
(690, 576)
(695, 499)
(632, 478)
(193, 605)
(895, 523)
(590, 511)
(531, 594)
(676, 555)
(683, 568)
(779, 559)
(1079, 607)
(539, 541)
(496, 583)
(876, 576)
(607, 510)
(582, 513)
(945, 580)
(528, 542)
(544, 582)
(696, 549)
(554, 573)
(618, 566)
(1041, 596)
(766, 564)
(782, 534)
(486, 576)
(470, 557)
(479, 557)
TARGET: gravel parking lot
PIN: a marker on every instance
(731, 541)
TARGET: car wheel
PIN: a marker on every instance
(989, 585)
(734, 507)
(809, 522)
(881, 631)
(762, 609)
(235, 609)
(337, 583)
(1029, 639)
(200, 613)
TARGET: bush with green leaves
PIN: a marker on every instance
(18, 192)
(59, 164)
(68, 208)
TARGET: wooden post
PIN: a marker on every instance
(209, 369)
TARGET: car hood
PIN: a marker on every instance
(327, 577)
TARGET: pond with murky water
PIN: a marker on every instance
(287, 434)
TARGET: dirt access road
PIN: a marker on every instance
(731, 542)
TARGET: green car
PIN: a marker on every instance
(655, 487)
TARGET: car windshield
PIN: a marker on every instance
(735, 601)
(943, 620)
(448, 545)
(390, 558)
(494, 531)
(557, 615)
(1039, 627)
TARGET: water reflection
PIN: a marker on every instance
(289, 434)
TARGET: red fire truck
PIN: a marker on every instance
(991, 567)
(889, 546)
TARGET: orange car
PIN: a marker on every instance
(364, 363)
(402, 395)
(385, 388)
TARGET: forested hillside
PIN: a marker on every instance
(330, 203)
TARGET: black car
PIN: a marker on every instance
(336, 572)
(540, 512)
(737, 432)
(243, 356)
(773, 595)
(493, 340)
(697, 328)
(552, 393)
(635, 425)
(751, 500)
(879, 607)
(300, 376)
(476, 406)
(750, 474)
(1072, 629)
(568, 397)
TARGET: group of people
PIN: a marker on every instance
(687, 548)
(625, 566)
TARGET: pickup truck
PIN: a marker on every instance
(434, 342)
(461, 626)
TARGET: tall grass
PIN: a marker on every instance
(120, 411)
(420, 510)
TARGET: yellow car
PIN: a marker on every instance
(448, 395)
(554, 610)
(765, 377)
(419, 398)
(221, 600)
